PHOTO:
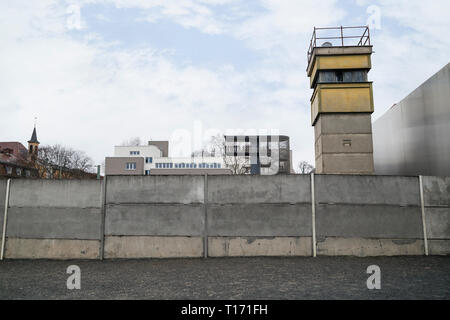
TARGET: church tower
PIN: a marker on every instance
(33, 145)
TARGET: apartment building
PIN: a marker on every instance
(153, 159)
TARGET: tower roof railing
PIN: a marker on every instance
(339, 37)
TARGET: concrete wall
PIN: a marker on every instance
(154, 216)
(182, 216)
(259, 215)
(411, 138)
(437, 213)
(368, 215)
(54, 219)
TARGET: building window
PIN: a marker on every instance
(8, 170)
(134, 153)
(147, 172)
(148, 160)
(219, 165)
(131, 166)
(18, 172)
(27, 173)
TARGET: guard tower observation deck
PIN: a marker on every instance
(339, 60)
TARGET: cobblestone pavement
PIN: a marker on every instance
(229, 278)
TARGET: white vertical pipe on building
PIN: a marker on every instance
(313, 210)
(424, 222)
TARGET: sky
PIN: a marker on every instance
(98, 72)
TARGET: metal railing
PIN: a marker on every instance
(336, 37)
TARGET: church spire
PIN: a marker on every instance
(33, 145)
(33, 136)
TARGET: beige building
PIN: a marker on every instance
(153, 159)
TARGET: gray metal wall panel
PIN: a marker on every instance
(376, 190)
(259, 189)
(264, 220)
(54, 223)
(411, 138)
(155, 189)
(55, 193)
(363, 221)
(155, 220)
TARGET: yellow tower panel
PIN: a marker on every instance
(338, 98)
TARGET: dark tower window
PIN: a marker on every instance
(342, 76)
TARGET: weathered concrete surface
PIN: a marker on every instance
(378, 190)
(149, 219)
(336, 246)
(259, 246)
(265, 220)
(344, 143)
(439, 247)
(54, 223)
(155, 189)
(438, 223)
(51, 249)
(55, 193)
(153, 247)
(369, 221)
(343, 124)
(259, 189)
(344, 163)
(436, 191)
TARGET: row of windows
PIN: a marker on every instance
(148, 159)
(134, 153)
(18, 171)
(343, 76)
(188, 165)
(130, 166)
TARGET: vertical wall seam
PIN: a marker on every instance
(313, 216)
(424, 223)
(5, 218)
(103, 217)
(205, 230)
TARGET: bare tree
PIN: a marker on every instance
(135, 141)
(216, 147)
(56, 157)
(305, 168)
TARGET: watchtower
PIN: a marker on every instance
(339, 60)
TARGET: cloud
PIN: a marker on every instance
(91, 94)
